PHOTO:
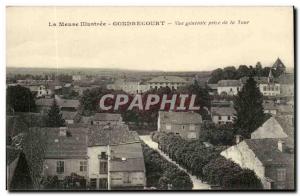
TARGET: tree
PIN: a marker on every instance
(54, 118)
(229, 175)
(216, 75)
(20, 99)
(249, 110)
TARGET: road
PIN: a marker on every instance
(197, 184)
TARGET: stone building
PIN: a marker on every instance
(185, 124)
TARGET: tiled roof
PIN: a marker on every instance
(226, 83)
(269, 129)
(106, 117)
(266, 150)
(131, 150)
(286, 122)
(132, 156)
(223, 111)
(102, 135)
(128, 165)
(70, 146)
(167, 79)
(180, 117)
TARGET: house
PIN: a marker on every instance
(268, 86)
(115, 158)
(40, 90)
(222, 115)
(185, 124)
(129, 86)
(286, 82)
(65, 152)
(70, 117)
(270, 107)
(127, 168)
(229, 87)
(106, 118)
(269, 158)
(280, 127)
(173, 82)
(134, 87)
(68, 104)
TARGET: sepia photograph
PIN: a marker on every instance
(150, 99)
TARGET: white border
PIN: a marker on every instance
(5, 3)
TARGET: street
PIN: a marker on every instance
(197, 184)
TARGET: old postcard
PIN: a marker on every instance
(150, 98)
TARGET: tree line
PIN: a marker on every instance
(206, 163)
(162, 174)
(231, 73)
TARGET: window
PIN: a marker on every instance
(168, 127)
(83, 166)
(183, 127)
(60, 167)
(103, 155)
(103, 167)
(93, 183)
(220, 117)
(228, 117)
(281, 174)
(265, 88)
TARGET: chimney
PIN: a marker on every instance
(238, 139)
(281, 145)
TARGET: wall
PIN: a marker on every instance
(183, 129)
(230, 90)
(118, 179)
(94, 162)
(245, 158)
(271, 89)
(70, 166)
(223, 120)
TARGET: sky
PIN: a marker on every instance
(31, 42)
